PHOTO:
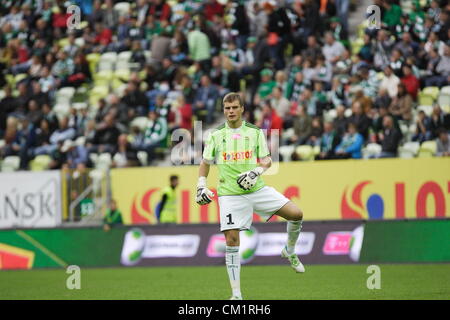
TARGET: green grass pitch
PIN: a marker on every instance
(398, 281)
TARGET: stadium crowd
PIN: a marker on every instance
(132, 72)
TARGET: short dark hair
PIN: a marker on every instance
(173, 177)
(233, 96)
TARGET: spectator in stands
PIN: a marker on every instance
(437, 121)
(126, 155)
(328, 142)
(443, 143)
(206, 99)
(383, 47)
(302, 127)
(340, 123)
(135, 100)
(412, 84)
(423, 132)
(7, 105)
(76, 155)
(390, 82)
(270, 120)
(351, 144)
(106, 135)
(360, 119)
(280, 103)
(155, 136)
(401, 105)
(389, 138)
(332, 50)
(63, 133)
(199, 46)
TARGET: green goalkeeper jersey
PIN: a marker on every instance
(235, 151)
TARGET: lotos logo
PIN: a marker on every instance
(141, 210)
(374, 206)
(428, 199)
(233, 156)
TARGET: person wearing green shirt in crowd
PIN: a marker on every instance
(240, 151)
(392, 14)
(199, 44)
(167, 208)
(113, 216)
(266, 86)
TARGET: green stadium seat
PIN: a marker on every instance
(40, 163)
(305, 152)
(427, 149)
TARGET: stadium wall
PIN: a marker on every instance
(326, 190)
(326, 242)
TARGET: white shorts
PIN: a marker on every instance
(236, 212)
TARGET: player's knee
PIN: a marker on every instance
(232, 239)
(297, 215)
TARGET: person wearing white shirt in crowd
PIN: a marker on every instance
(390, 82)
(332, 50)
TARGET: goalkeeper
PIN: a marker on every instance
(236, 146)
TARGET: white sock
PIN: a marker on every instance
(293, 231)
(233, 263)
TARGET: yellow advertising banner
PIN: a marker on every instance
(324, 190)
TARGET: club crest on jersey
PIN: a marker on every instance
(233, 156)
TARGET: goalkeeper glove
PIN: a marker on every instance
(204, 195)
(247, 180)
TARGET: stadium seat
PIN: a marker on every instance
(432, 91)
(97, 93)
(122, 7)
(120, 77)
(140, 122)
(11, 164)
(305, 152)
(97, 176)
(316, 150)
(286, 152)
(19, 77)
(79, 41)
(330, 115)
(148, 55)
(372, 150)
(93, 59)
(428, 96)
(124, 56)
(64, 95)
(142, 156)
(409, 150)
(80, 141)
(63, 42)
(445, 90)
(428, 109)
(444, 97)
(427, 149)
(40, 163)
(104, 161)
(103, 77)
(61, 110)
